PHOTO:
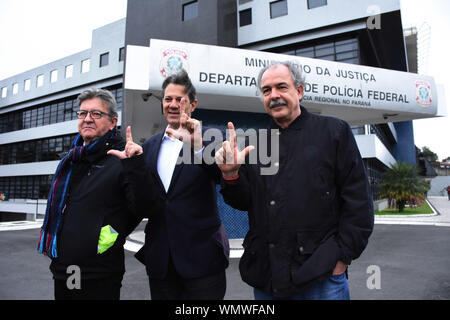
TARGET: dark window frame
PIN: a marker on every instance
(243, 19)
(316, 3)
(192, 5)
(273, 5)
(104, 60)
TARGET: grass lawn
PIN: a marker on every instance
(425, 209)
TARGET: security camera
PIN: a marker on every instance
(145, 96)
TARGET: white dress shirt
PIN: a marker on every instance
(167, 158)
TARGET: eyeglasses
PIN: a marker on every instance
(95, 114)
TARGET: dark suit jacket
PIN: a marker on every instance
(185, 223)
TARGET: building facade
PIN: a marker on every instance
(322, 34)
(38, 117)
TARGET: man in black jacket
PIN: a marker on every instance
(311, 218)
(95, 201)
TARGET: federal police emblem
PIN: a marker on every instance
(423, 93)
(173, 61)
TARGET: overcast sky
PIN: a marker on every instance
(36, 32)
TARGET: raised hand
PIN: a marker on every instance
(229, 158)
(189, 131)
(131, 149)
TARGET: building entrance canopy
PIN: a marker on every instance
(225, 79)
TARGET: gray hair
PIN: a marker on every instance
(294, 69)
(106, 96)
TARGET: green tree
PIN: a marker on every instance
(429, 155)
(402, 183)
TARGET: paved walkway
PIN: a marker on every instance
(441, 217)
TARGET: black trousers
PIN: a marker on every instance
(90, 289)
(174, 287)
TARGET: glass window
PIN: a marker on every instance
(46, 115)
(121, 54)
(85, 65)
(4, 92)
(316, 3)
(60, 117)
(69, 71)
(40, 117)
(343, 50)
(306, 52)
(346, 55)
(244, 1)
(104, 59)
(27, 85)
(352, 60)
(53, 113)
(329, 58)
(324, 50)
(53, 76)
(347, 45)
(26, 119)
(68, 111)
(278, 9)
(190, 10)
(40, 80)
(245, 17)
(15, 88)
(33, 117)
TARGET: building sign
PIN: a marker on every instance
(229, 71)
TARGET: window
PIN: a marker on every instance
(31, 187)
(190, 10)
(245, 17)
(69, 71)
(27, 85)
(316, 3)
(343, 50)
(121, 54)
(47, 113)
(104, 59)
(15, 88)
(278, 9)
(53, 76)
(40, 80)
(324, 50)
(244, 1)
(4, 92)
(85, 65)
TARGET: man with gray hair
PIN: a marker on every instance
(311, 218)
(95, 200)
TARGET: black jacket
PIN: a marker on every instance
(185, 224)
(104, 190)
(315, 211)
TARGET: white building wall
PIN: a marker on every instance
(371, 147)
(300, 18)
(109, 38)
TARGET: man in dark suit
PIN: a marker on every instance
(186, 246)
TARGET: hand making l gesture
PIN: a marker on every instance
(190, 129)
(229, 158)
(131, 149)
